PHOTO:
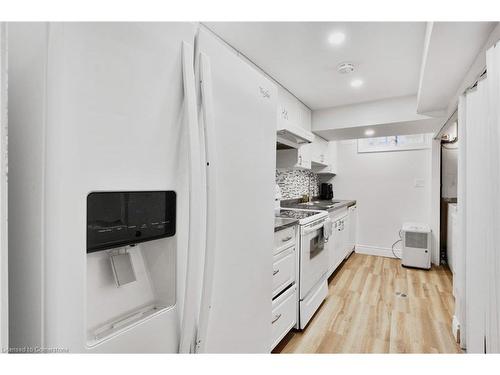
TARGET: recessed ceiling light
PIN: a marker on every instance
(357, 83)
(369, 132)
(336, 38)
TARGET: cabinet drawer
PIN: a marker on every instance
(284, 239)
(284, 315)
(283, 270)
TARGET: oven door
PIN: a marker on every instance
(314, 260)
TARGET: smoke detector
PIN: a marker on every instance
(345, 68)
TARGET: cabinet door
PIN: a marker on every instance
(304, 155)
(346, 236)
(320, 152)
(304, 119)
(338, 250)
(325, 154)
(287, 109)
(332, 156)
(353, 222)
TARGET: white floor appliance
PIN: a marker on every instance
(416, 248)
(313, 261)
(125, 108)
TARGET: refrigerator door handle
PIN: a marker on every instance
(211, 186)
(196, 201)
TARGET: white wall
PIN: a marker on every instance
(383, 184)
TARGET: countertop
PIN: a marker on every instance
(317, 204)
(284, 222)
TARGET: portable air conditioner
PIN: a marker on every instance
(416, 249)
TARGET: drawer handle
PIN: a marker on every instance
(286, 239)
(276, 318)
(275, 272)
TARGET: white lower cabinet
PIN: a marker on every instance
(284, 293)
(284, 239)
(283, 270)
(353, 227)
(284, 314)
(338, 247)
(346, 234)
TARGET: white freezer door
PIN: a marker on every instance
(244, 122)
(115, 120)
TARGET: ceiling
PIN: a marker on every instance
(387, 57)
(446, 61)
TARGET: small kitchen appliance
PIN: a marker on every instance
(326, 191)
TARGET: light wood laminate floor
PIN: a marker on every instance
(376, 306)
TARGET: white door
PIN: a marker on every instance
(115, 119)
(347, 235)
(353, 222)
(244, 136)
(332, 242)
(338, 246)
(477, 239)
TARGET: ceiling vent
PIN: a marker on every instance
(345, 68)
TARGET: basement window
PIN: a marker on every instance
(395, 143)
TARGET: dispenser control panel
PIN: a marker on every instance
(116, 219)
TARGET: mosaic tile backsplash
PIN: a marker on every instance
(296, 182)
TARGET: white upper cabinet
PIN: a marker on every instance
(288, 111)
(326, 151)
(332, 157)
(320, 152)
(291, 111)
(304, 116)
(295, 158)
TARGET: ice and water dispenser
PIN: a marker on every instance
(131, 260)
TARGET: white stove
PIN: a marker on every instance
(304, 216)
(313, 260)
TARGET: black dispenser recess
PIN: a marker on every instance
(116, 219)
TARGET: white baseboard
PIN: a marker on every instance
(378, 251)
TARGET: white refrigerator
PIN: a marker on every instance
(98, 107)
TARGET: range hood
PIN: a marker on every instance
(293, 136)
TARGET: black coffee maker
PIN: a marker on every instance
(326, 191)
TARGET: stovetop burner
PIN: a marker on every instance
(296, 214)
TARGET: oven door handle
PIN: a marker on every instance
(313, 229)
